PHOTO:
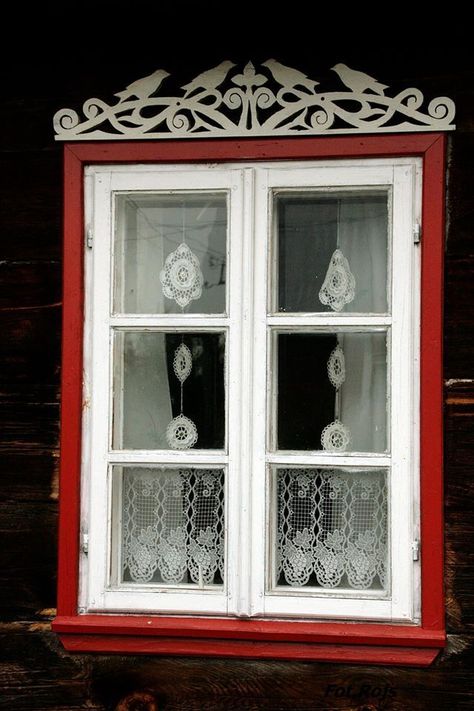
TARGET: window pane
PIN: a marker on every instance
(331, 391)
(170, 253)
(169, 390)
(172, 525)
(331, 528)
(332, 252)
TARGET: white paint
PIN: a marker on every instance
(251, 398)
(227, 102)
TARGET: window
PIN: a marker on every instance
(251, 424)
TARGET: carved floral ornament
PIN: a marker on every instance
(274, 100)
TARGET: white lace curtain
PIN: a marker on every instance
(362, 398)
(173, 526)
(332, 528)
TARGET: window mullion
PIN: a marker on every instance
(254, 417)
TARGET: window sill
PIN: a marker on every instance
(347, 643)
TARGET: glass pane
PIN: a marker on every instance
(331, 528)
(169, 390)
(170, 253)
(172, 523)
(332, 252)
(331, 391)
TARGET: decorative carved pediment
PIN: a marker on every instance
(273, 100)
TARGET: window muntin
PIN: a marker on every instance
(248, 539)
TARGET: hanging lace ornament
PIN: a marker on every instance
(182, 362)
(338, 288)
(181, 433)
(335, 437)
(181, 276)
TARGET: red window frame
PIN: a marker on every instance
(339, 641)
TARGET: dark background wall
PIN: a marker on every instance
(58, 57)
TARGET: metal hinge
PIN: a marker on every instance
(89, 239)
(415, 547)
(417, 233)
(85, 543)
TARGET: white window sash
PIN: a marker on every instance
(246, 461)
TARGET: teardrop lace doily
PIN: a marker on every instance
(182, 362)
(181, 276)
(337, 367)
(339, 283)
(332, 528)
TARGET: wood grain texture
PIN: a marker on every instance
(36, 673)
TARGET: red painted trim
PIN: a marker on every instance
(340, 653)
(71, 385)
(431, 386)
(276, 639)
(270, 630)
(251, 149)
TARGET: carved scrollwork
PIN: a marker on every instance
(275, 100)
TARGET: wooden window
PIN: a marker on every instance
(259, 449)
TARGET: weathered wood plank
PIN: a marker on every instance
(459, 316)
(31, 184)
(27, 558)
(30, 346)
(37, 674)
(459, 507)
(242, 684)
(29, 474)
(26, 284)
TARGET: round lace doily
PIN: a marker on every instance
(335, 437)
(181, 433)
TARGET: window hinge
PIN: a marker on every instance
(417, 233)
(415, 547)
(89, 238)
(85, 543)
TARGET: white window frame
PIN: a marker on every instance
(249, 186)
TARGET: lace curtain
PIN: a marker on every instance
(173, 526)
(362, 238)
(332, 528)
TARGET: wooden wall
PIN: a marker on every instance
(35, 672)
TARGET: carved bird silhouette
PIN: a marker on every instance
(358, 81)
(142, 88)
(209, 79)
(288, 77)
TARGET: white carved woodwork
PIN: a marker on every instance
(275, 100)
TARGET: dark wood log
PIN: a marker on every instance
(36, 673)
(459, 487)
(30, 185)
(28, 558)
